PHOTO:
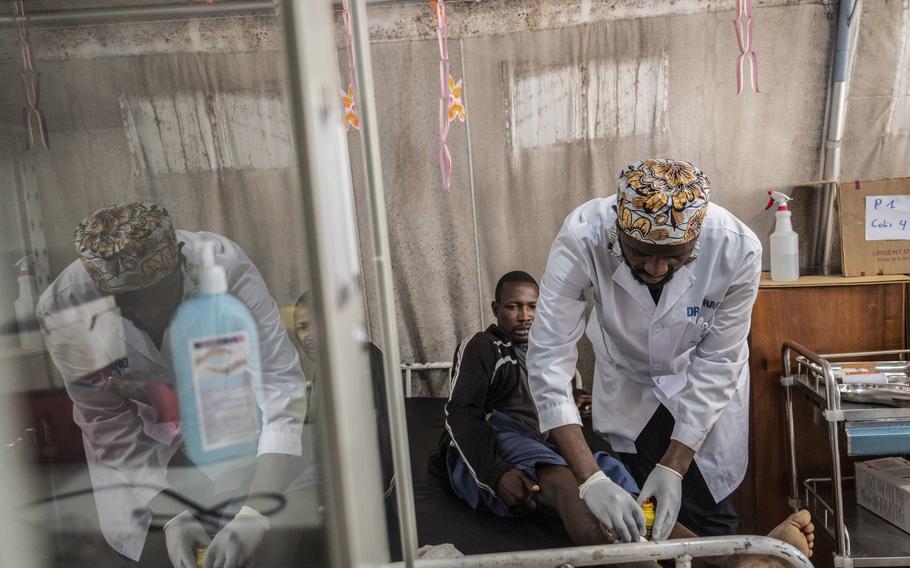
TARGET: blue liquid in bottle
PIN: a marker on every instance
(215, 349)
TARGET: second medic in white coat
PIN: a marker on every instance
(673, 279)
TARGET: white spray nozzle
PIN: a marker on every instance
(208, 254)
(25, 265)
(212, 279)
(780, 198)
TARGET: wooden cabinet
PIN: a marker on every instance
(827, 315)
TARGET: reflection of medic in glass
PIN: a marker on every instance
(119, 374)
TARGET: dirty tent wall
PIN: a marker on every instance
(558, 101)
(190, 114)
(558, 98)
(877, 139)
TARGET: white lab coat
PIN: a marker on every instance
(688, 353)
(126, 442)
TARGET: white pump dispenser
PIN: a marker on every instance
(29, 335)
(212, 279)
(784, 241)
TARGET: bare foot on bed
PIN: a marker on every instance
(797, 530)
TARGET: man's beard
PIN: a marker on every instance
(653, 285)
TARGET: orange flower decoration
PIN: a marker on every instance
(456, 106)
(350, 114)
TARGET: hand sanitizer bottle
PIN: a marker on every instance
(215, 350)
(784, 241)
(29, 334)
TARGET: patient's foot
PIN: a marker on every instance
(797, 530)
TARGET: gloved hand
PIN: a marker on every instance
(233, 546)
(85, 338)
(665, 485)
(615, 507)
(182, 534)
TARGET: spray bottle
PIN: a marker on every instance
(784, 241)
(29, 334)
(215, 349)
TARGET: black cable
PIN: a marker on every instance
(210, 516)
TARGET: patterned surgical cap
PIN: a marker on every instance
(662, 201)
(127, 247)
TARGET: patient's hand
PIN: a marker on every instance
(518, 492)
(583, 401)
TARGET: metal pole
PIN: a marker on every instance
(833, 396)
(391, 360)
(791, 434)
(355, 514)
(467, 124)
(161, 11)
(834, 405)
(844, 53)
(606, 554)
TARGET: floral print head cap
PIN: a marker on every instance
(127, 247)
(662, 201)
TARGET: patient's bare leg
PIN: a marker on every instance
(559, 491)
(797, 530)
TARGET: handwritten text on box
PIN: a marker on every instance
(887, 217)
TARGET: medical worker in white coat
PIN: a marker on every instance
(673, 278)
(118, 372)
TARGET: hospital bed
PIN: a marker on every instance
(538, 540)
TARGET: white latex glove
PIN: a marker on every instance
(183, 534)
(665, 485)
(615, 507)
(233, 546)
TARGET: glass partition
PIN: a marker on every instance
(170, 320)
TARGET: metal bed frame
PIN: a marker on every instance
(861, 538)
(682, 551)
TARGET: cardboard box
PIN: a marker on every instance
(865, 229)
(883, 487)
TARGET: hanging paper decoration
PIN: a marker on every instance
(451, 106)
(743, 26)
(350, 104)
(32, 117)
(456, 106)
(350, 115)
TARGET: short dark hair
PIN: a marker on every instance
(518, 276)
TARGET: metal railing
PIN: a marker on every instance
(409, 368)
(682, 550)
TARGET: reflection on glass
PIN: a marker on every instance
(189, 395)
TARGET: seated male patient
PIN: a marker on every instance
(493, 451)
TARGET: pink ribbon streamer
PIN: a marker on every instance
(742, 24)
(32, 117)
(351, 116)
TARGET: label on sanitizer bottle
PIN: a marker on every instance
(225, 402)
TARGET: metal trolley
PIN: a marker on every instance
(861, 537)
